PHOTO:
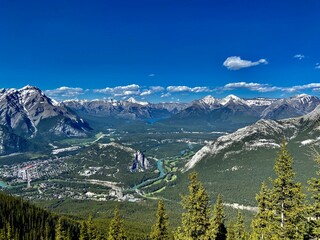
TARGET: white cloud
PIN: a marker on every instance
(311, 86)
(157, 88)
(251, 86)
(65, 92)
(146, 92)
(152, 90)
(236, 63)
(134, 90)
(151, 75)
(258, 87)
(299, 56)
(165, 95)
(187, 89)
(119, 91)
(317, 66)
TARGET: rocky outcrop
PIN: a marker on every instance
(140, 162)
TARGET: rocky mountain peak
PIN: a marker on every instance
(304, 98)
(209, 100)
(232, 98)
(30, 88)
(132, 100)
(28, 106)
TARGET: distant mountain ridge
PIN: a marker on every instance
(232, 112)
(230, 106)
(129, 109)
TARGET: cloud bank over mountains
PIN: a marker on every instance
(135, 90)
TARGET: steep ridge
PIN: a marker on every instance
(291, 107)
(28, 110)
(263, 134)
(12, 143)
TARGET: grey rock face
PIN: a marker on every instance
(140, 162)
(24, 110)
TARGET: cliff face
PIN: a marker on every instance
(140, 163)
(28, 112)
(11, 143)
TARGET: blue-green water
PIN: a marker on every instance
(149, 181)
(160, 167)
(3, 184)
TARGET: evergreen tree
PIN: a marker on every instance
(60, 232)
(22, 220)
(230, 231)
(9, 234)
(314, 211)
(91, 229)
(160, 228)
(195, 222)
(239, 229)
(47, 231)
(116, 230)
(287, 199)
(84, 231)
(2, 234)
(261, 224)
(217, 228)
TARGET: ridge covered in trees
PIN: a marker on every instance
(24, 221)
(283, 213)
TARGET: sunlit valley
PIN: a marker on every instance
(159, 120)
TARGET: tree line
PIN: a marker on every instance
(283, 213)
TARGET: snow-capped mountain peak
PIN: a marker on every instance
(261, 102)
(28, 106)
(303, 98)
(232, 98)
(132, 100)
(209, 100)
(29, 87)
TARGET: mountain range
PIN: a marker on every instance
(208, 111)
(27, 115)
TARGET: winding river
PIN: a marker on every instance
(149, 181)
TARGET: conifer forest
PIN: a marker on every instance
(283, 213)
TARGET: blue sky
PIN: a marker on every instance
(161, 50)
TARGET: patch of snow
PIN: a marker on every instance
(309, 141)
(132, 100)
(209, 100)
(232, 98)
(259, 102)
(261, 143)
(54, 102)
